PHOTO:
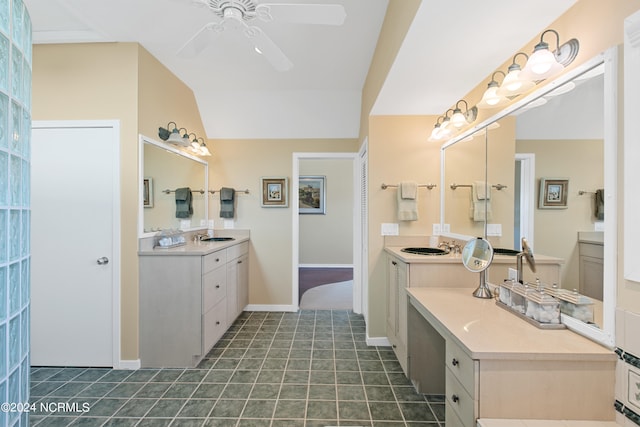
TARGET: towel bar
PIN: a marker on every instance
(496, 186)
(237, 191)
(173, 191)
(428, 186)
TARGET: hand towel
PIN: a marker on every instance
(480, 202)
(483, 190)
(407, 196)
(599, 212)
(227, 199)
(184, 203)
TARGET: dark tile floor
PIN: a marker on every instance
(306, 369)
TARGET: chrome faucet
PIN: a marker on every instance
(443, 245)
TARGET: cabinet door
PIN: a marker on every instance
(243, 282)
(232, 291)
(402, 299)
(392, 299)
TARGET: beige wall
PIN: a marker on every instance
(328, 239)
(398, 151)
(556, 230)
(114, 81)
(240, 164)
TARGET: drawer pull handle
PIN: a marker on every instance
(455, 398)
(394, 346)
(394, 263)
(217, 259)
(455, 362)
(217, 323)
(217, 286)
(239, 262)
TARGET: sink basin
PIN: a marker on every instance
(504, 251)
(217, 239)
(425, 251)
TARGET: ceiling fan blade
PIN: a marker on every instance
(322, 14)
(200, 40)
(266, 47)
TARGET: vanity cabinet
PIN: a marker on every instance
(591, 269)
(498, 366)
(187, 302)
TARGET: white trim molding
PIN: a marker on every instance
(272, 307)
(378, 341)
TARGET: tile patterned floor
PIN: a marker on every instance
(306, 369)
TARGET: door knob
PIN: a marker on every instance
(102, 261)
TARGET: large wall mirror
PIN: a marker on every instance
(561, 137)
(163, 169)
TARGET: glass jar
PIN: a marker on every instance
(576, 305)
(518, 297)
(542, 307)
(504, 292)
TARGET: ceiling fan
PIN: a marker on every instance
(241, 14)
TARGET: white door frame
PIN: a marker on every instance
(527, 195)
(295, 221)
(115, 256)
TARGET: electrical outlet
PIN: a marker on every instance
(228, 224)
(447, 228)
(436, 230)
(389, 229)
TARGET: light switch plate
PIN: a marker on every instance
(435, 230)
(228, 224)
(447, 228)
(389, 229)
(494, 230)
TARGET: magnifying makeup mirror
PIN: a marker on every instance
(477, 255)
(526, 253)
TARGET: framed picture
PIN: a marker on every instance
(275, 192)
(312, 195)
(147, 192)
(553, 193)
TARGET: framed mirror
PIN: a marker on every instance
(565, 132)
(163, 169)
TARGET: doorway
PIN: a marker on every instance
(524, 199)
(75, 244)
(326, 233)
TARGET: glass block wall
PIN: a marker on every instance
(15, 134)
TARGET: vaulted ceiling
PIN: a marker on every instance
(450, 47)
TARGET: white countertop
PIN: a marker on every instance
(194, 248)
(486, 331)
(455, 258)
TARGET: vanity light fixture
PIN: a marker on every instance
(178, 138)
(203, 150)
(513, 83)
(435, 133)
(543, 63)
(195, 145)
(445, 128)
(460, 119)
(491, 98)
(165, 133)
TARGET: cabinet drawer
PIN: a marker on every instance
(452, 419)
(238, 250)
(459, 400)
(214, 260)
(214, 288)
(461, 365)
(214, 324)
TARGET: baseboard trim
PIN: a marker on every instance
(271, 307)
(325, 265)
(378, 341)
(128, 364)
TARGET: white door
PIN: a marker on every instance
(72, 247)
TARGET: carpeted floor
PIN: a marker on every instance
(332, 296)
(311, 277)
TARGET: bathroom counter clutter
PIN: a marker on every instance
(193, 248)
(455, 258)
(491, 364)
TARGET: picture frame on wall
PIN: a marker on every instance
(312, 194)
(275, 191)
(147, 192)
(553, 193)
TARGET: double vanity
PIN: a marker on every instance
(486, 361)
(189, 296)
